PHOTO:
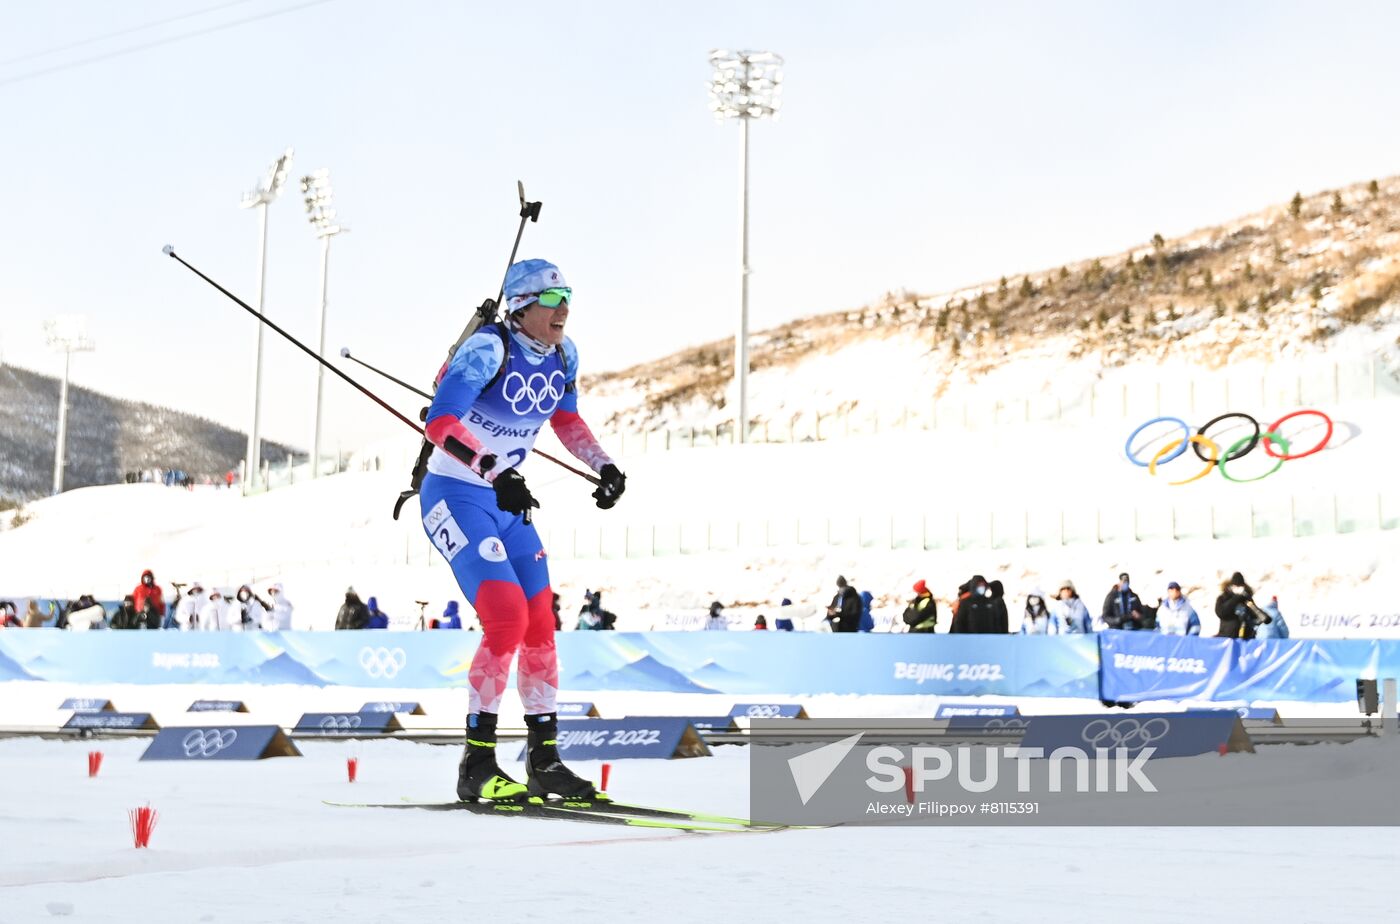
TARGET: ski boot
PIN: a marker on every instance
(478, 775)
(547, 773)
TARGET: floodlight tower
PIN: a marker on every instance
(320, 211)
(744, 85)
(67, 335)
(261, 198)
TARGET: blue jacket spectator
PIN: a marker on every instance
(1276, 629)
(378, 619)
(867, 621)
(449, 618)
(1037, 619)
(1071, 615)
(1176, 615)
(784, 623)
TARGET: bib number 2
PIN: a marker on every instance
(444, 531)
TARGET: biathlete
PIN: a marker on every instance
(494, 396)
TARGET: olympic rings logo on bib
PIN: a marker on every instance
(1270, 437)
(538, 394)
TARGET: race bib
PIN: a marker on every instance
(446, 534)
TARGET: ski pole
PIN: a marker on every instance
(169, 251)
(345, 354)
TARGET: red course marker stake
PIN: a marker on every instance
(352, 766)
(94, 763)
(607, 771)
(143, 823)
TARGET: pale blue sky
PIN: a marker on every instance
(921, 145)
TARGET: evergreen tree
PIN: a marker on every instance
(982, 302)
(1002, 289)
(1219, 307)
(1295, 207)
(1316, 293)
(1127, 316)
(1374, 189)
(1102, 317)
(1064, 273)
(1027, 287)
(1337, 206)
(1208, 278)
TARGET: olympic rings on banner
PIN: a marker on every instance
(1235, 451)
(1185, 434)
(1269, 437)
(1299, 455)
(1198, 440)
(1253, 441)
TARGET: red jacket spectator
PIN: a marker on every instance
(149, 592)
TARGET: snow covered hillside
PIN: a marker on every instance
(1316, 278)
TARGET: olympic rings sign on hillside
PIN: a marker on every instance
(1269, 436)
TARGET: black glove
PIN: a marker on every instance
(611, 488)
(511, 494)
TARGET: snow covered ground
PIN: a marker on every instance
(247, 843)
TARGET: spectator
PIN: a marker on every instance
(1176, 615)
(1275, 627)
(228, 478)
(378, 619)
(1236, 610)
(558, 618)
(149, 599)
(84, 614)
(281, 608)
(9, 615)
(211, 611)
(34, 617)
(254, 609)
(844, 611)
(187, 610)
(450, 619)
(1122, 608)
(232, 616)
(1071, 615)
(760, 624)
(1037, 619)
(126, 616)
(1001, 619)
(784, 623)
(921, 615)
(867, 619)
(354, 614)
(974, 613)
(715, 622)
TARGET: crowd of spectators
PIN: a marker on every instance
(979, 608)
(179, 478)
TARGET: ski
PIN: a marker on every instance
(568, 811)
(603, 804)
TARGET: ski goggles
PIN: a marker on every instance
(552, 298)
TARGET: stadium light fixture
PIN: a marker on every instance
(67, 335)
(319, 198)
(260, 198)
(744, 85)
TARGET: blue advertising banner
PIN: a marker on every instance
(1144, 665)
(78, 704)
(117, 720)
(347, 724)
(656, 737)
(973, 710)
(395, 706)
(769, 711)
(241, 742)
(217, 705)
(678, 662)
(1169, 734)
(709, 723)
(1135, 665)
